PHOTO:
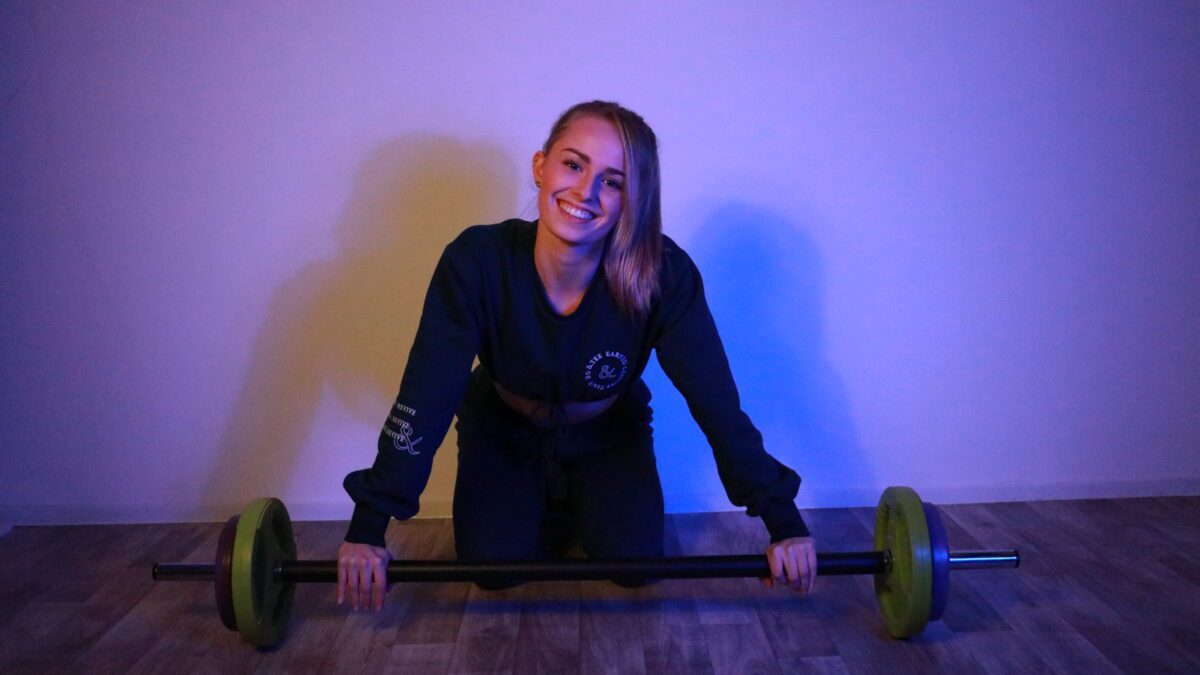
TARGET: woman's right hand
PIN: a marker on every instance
(362, 575)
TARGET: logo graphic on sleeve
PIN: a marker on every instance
(401, 431)
(605, 370)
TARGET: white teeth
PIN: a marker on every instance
(574, 212)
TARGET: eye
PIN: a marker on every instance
(571, 164)
(613, 183)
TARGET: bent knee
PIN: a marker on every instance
(624, 547)
(473, 545)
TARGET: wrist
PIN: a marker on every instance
(367, 526)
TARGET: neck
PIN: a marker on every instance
(563, 267)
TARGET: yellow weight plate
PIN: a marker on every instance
(261, 603)
(905, 591)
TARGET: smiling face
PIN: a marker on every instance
(582, 177)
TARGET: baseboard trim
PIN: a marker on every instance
(809, 498)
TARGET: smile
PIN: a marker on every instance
(574, 212)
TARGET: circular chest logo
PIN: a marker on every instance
(605, 370)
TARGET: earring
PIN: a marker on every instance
(538, 183)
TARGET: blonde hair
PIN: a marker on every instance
(633, 255)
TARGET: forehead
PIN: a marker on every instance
(595, 137)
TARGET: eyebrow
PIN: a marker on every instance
(589, 161)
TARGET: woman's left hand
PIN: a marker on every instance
(793, 562)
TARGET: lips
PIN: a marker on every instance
(574, 212)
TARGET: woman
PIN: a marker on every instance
(554, 424)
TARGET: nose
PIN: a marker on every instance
(586, 187)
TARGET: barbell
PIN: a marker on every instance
(256, 570)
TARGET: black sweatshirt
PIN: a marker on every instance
(487, 299)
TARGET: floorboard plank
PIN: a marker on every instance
(610, 637)
(548, 638)
(672, 633)
(434, 612)
(487, 638)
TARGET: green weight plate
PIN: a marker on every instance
(261, 603)
(905, 592)
(223, 583)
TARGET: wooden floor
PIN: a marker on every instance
(1104, 586)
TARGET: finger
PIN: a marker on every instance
(364, 585)
(352, 582)
(775, 564)
(812, 568)
(793, 573)
(802, 575)
(380, 583)
(341, 582)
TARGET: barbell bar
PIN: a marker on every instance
(255, 570)
(570, 569)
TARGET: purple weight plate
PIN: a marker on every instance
(941, 561)
(223, 583)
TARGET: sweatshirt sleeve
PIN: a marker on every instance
(434, 382)
(692, 356)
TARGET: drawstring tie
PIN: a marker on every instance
(551, 440)
(542, 441)
(546, 443)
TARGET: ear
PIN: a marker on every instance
(539, 162)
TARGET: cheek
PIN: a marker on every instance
(612, 204)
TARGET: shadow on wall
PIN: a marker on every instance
(344, 325)
(763, 282)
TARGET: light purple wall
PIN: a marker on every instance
(952, 245)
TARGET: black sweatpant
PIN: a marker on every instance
(503, 508)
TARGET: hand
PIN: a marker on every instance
(362, 574)
(794, 562)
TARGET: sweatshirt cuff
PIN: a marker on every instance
(783, 520)
(367, 526)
